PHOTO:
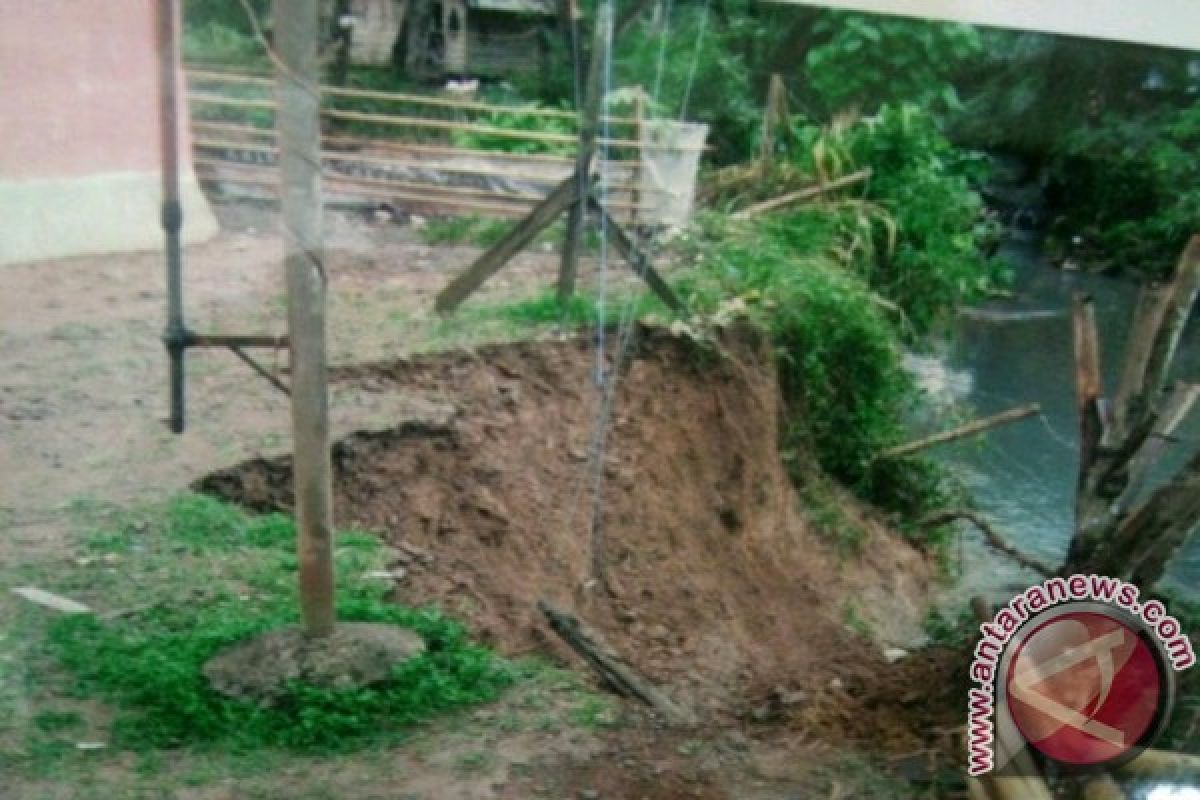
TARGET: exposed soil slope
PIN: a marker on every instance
(715, 584)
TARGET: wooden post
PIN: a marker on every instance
(498, 255)
(296, 31)
(589, 122)
(774, 115)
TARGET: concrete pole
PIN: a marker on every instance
(298, 122)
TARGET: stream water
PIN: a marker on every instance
(1023, 474)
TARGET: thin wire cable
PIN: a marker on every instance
(662, 51)
(687, 91)
(602, 376)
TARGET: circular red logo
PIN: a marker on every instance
(1084, 688)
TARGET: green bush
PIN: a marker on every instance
(918, 232)
(925, 184)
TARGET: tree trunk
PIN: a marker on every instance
(1119, 442)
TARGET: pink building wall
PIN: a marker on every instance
(79, 131)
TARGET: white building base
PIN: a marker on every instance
(49, 218)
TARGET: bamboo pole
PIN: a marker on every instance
(962, 431)
(300, 143)
(807, 193)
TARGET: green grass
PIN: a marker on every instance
(481, 231)
(472, 230)
(198, 575)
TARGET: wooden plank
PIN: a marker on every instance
(413, 99)
(545, 178)
(491, 130)
(413, 147)
(217, 170)
(395, 120)
(300, 144)
(637, 260)
(499, 254)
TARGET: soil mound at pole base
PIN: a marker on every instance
(715, 583)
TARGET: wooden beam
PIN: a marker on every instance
(963, 431)
(637, 260)
(593, 99)
(299, 159)
(499, 254)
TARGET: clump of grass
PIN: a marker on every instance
(471, 229)
(215, 576)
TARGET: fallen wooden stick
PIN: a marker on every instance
(806, 193)
(963, 431)
(623, 679)
(990, 535)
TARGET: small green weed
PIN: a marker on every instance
(472, 230)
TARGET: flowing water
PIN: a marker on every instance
(1023, 474)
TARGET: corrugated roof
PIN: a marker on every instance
(544, 7)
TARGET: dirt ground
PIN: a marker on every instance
(477, 468)
(83, 391)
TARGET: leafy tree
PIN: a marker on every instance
(865, 62)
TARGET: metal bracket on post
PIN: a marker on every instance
(177, 338)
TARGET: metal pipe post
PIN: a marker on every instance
(175, 336)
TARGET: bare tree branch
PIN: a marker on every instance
(990, 535)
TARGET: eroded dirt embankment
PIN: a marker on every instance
(715, 584)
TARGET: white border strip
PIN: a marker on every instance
(1162, 23)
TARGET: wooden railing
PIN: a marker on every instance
(422, 153)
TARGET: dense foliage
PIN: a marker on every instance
(1129, 187)
(842, 284)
